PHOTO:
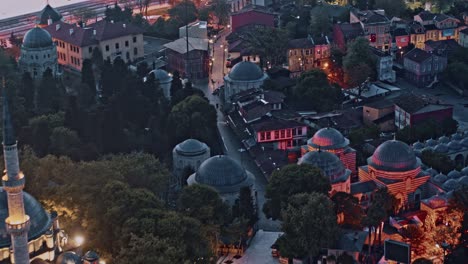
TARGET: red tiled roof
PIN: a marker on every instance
(85, 36)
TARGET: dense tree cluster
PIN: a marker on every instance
(426, 130)
(359, 63)
(457, 67)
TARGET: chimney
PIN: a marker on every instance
(124, 25)
(71, 31)
(49, 21)
(57, 27)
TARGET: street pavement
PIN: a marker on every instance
(233, 147)
(445, 95)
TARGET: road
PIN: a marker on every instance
(446, 96)
(232, 145)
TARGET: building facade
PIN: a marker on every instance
(252, 15)
(279, 134)
(112, 39)
(384, 66)
(376, 27)
(422, 68)
(438, 26)
(308, 53)
(195, 65)
(38, 53)
(344, 33)
(381, 114)
(463, 40)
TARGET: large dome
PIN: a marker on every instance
(68, 257)
(393, 155)
(330, 165)
(328, 138)
(191, 147)
(246, 71)
(40, 220)
(222, 173)
(37, 38)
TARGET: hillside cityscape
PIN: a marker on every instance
(234, 132)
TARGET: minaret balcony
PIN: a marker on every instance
(13, 184)
(16, 227)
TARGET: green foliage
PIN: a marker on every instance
(359, 63)
(438, 161)
(357, 136)
(221, 10)
(314, 91)
(320, 24)
(392, 7)
(456, 74)
(49, 93)
(116, 14)
(426, 130)
(289, 180)
(244, 206)
(27, 91)
(422, 261)
(348, 205)
(309, 224)
(184, 12)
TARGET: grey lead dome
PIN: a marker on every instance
(37, 38)
(330, 165)
(191, 147)
(245, 71)
(393, 155)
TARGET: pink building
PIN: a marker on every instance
(252, 15)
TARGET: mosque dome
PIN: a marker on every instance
(68, 257)
(431, 171)
(191, 147)
(246, 71)
(444, 139)
(441, 148)
(37, 38)
(450, 185)
(463, 181)
(456, 136)
(418, 145)
(39, 218)
(454, 145)
(440, 178)
(330, 165)
(161, 75)
(222, 173)
(393, 155)
(464, 142)
(328, 138)
(454, 174)
(49, 13)
(91, 256)
(431, 142)
(464, 171)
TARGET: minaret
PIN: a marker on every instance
(17, 223)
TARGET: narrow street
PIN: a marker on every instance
(231, 144)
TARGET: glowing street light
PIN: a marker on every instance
(79, 240)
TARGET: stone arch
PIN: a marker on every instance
(459, 161)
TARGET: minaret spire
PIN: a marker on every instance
(17, 222)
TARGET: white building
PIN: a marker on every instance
(385, 70)
(198, 29)
(243, 76)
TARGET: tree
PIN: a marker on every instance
(348, 207)
(289, 180)
(27, 91)
(437, 161)
(320, 24)
(221, 10)
(359, 63)
(64, 142)
(87, 93)
(244, 206)
(309, 224)
(455, 72)
(393, 8)
(313, 91)
(184, 12)
(49, 94)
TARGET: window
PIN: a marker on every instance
(37, 57)
(48, 55)
(307, 52)
(288, 133)
(90, 50)
(127, 55)
(71, 47)
(283, 134)
(262, 135)
(116, 45)
(299, 131)
(294, 131)
(135, 51)
(126, 43)
(268, 135)
(107, 47)
(276, 134)
(134, 39)
(77, 50)
(289, 144)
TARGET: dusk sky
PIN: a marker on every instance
(10, 8)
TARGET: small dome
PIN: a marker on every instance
(440, 178)
(431, 142)
(427, 149)
(49, 13)
(161, 75)
(191, 147)
(464, 142)
(246, 71)
(418, 145)
(393, 155)
(441, 148)
(222, 173)
(454, 174)
(444, 139)
(37, 38)
(431, 172)
(39, 218)
(463, 181)
(464, 171)
(328, 138)
(330, 165)
(91, 256)
(454, 145)
(68, 257)
(456, 136)
(450, 185)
